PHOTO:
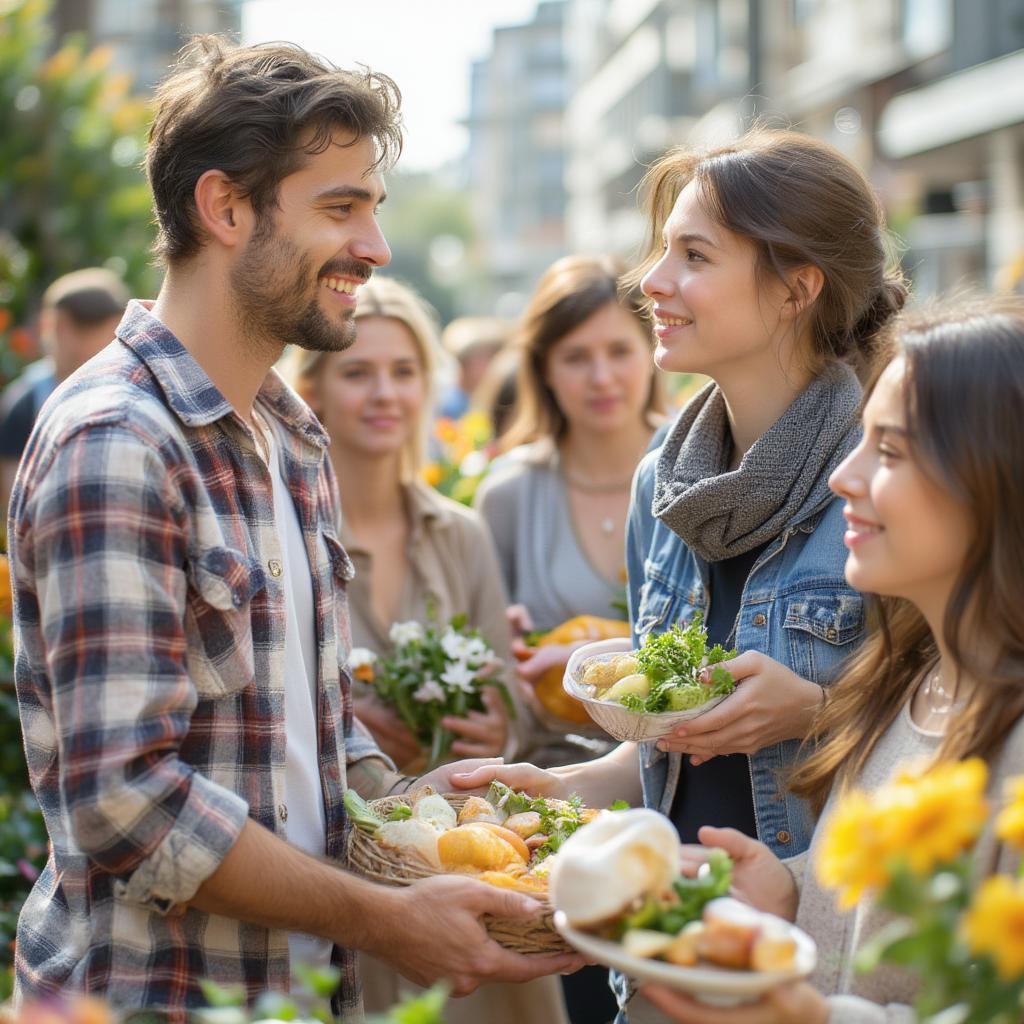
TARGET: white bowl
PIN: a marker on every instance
(616, 720)
(717, 986)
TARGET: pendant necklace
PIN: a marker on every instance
(939, 701)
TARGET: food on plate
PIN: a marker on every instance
(619, 879)
(548, 687)
(664, 674)
(616, 860)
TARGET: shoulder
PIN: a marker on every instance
(517, 471)
(106, 403)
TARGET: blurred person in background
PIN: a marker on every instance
(473, 341)
(80, 312)
(419, 556)
(588, 403)
(496, 393)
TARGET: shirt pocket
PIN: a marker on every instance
(661, 604)
(218, 621)
(822, 629)
(341, 572)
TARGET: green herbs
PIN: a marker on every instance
(360, 813)
(686, 902)
(558, 818)
(672, 662)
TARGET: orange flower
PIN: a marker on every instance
(22, 343)
(6, 598)
(5, 318)
(431, 474)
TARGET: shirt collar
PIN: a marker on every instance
(190, 393)
(426, 511)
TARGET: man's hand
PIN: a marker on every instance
(770, 703)
(796, 1003)
(448, 906)
(758, 876)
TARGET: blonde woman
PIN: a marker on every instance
(416, 553)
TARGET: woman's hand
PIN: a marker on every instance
(393, 736)
(519, 619)
(770, 704)
(525, 777)
(535, 661)
(758, 876)
(796, 1003)
(484, 733)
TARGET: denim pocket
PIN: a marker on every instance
(822, 629)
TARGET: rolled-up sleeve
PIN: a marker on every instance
(102, 546)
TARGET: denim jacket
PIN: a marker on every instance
(796, 608)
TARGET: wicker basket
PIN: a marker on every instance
(368, 858)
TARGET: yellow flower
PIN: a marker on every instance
(476, 425)
(932, 818)
(850, 859)
(431, 474)
(917, 821)
(1010, 823)
(994, 924)
(446, 430)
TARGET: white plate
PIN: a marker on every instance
(616, 720)
(717, 986)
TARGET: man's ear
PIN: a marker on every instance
(223, 214)
(805, 284)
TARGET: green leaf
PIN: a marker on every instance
(400, 812)
(619, 805)
(361, 813)
(222, 995)
(321, 981)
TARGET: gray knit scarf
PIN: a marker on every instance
(780, 481)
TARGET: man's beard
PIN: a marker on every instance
(270, 283)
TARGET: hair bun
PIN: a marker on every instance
(888, 300)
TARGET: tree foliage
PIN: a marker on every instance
(72, 192)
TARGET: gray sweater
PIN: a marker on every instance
(884, 996)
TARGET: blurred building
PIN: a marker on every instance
(516, 161)
(145, 34)
(926, 95)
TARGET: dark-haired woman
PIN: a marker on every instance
(766, 272)
(556, 502)
(932, 502)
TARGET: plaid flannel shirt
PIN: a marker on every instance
(150, 621)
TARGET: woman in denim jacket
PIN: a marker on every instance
(766, 273)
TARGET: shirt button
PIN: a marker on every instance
(282, 811)
(783, 836)
(831, 633)
(275, 567)
(760, 619)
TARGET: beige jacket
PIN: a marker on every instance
(453, 564)
(454, 568)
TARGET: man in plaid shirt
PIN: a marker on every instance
(179, 584)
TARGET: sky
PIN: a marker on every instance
(427, 46)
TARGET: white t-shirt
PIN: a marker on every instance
(306, 824)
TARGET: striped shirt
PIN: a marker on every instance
(149, 627)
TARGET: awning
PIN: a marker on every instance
(961, 106)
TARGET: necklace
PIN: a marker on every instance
(937, 698)
(587, 487)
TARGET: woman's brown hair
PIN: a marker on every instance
(256, 113)
(571, 291)
(801, 203)
(387, 299)
(963, 393)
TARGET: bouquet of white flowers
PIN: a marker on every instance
(433, 673)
